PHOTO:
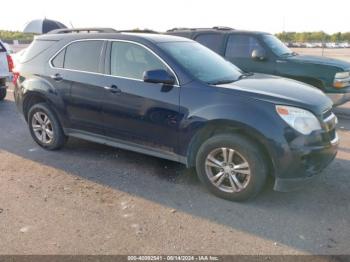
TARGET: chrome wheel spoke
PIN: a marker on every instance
(217, 176)
(230, 155)
(241, 166)
(219, 182)
(245, 172)
(44, 137)
(236, 182)
(211, 161)
(224, 154)
(38, 118)
(46, 120)
(49, 133)
(36, 128)
(232, 182)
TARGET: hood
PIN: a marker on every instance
(321, 60)
(281, 91)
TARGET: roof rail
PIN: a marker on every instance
(179, 28)
(146, 31)
(83, 30)
(223, 28)
(203, 28)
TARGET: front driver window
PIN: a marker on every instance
(131, 60)
(241, 46)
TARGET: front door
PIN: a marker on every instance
(239, 49)
(146, 114)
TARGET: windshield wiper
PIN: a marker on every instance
(221, 82)
(289, 54)
(244, 75)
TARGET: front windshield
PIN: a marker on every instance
(277, 46)
(201, 62)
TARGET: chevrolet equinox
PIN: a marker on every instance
(171, 97)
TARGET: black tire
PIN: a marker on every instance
(58, 138)
(3, 92)
(243, 147)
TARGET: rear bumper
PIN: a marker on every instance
(308, 163)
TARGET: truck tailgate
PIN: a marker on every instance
(4, 69)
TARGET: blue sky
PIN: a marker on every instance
(265, 15)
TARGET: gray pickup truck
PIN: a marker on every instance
(6, 65)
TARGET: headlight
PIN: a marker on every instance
(342, 75)
(301, 120)
(341, 79)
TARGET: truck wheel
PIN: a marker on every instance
(231, 167)
(45, 127)
(3, 93)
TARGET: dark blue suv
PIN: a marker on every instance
(173, 98)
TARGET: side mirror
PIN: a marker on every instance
(158, 76)
(258, 55)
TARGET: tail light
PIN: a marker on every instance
(10, 63)
(15, 77)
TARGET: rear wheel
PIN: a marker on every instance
(45, 127)
(3, 93)
(231, 167)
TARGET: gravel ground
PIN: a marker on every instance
(93, 199)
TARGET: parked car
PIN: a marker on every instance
(172, 98)
(6, 66)
(264, 53)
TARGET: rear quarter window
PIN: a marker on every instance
(35, 48)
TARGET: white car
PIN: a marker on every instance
(6, 66)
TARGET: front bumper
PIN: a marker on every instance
(306, 156)
(309, 162)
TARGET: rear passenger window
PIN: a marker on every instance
(83, 56)
(212, 41)
(241, 46)
(131, 60)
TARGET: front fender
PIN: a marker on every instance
(257, 120)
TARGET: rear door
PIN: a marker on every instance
(239, 50)
(4, 68)
(76, 72)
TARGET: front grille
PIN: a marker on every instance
(329, 124)
(327, 113)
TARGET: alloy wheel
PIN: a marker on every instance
(42, 127)
(228, 170)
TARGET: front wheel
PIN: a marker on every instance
(3, 93)
(231, 167)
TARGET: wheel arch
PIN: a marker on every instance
(31, 99)
(220, 126)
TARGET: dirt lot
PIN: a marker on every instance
(341, 53)
(93, 199)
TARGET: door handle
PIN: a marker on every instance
(113, 89)
(57, 77)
